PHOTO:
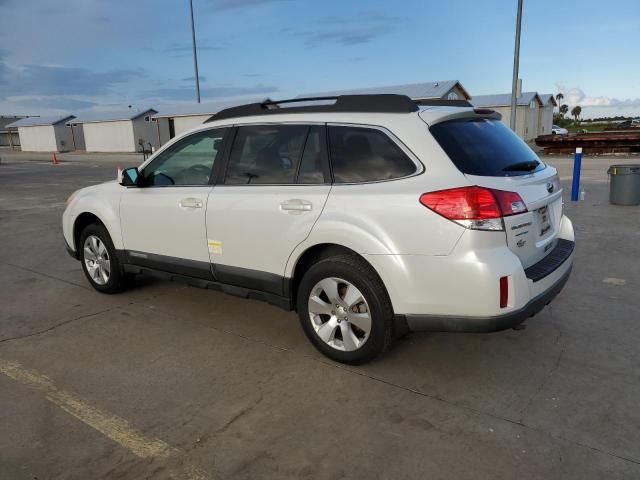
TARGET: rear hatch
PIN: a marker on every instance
(490, 155)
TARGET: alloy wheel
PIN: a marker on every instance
(339, 314)
(96, 259)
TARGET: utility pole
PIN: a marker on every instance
(516, 64)
(195, 55)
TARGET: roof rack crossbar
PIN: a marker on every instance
(376, 103)
(300, 100)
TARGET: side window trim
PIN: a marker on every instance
(324, 152)
(220, 175)
(220, 168)
(178, 141)
(324, 155)
(420, 168)
(327, 155)
(301, 155)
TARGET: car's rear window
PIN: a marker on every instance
(485, 147)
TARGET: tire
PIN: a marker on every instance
(95, 239)
(338, 329)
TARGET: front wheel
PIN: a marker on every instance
(344, 309)
(99, 261)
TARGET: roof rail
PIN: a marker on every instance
(381, 103)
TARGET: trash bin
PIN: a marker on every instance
(624, 184)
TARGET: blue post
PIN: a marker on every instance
(577, 164)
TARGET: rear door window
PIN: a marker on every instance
(360, 154)
(275, 154)
(485, 147)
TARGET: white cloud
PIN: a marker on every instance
(576, 96)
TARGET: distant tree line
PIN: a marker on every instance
(560, 118)
(618, 118)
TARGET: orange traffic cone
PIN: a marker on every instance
(54, 160)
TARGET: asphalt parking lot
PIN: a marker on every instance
(170, 381)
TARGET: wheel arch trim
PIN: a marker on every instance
(356, 240)
(110, 221)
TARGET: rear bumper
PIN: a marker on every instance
(464, 286)
(443, 323)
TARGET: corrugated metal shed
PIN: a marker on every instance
(36, 121)
(13, 117)
(114, 116)
(203, 108)
(545, 97)
(438, 89)
(504, 99)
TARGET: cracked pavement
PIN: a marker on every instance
(235, 385)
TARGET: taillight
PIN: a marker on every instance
(474, 207)
(510, 202)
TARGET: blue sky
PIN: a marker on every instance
(81, 55)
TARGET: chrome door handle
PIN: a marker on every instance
(296, 205)
(191, 203)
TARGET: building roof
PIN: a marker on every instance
(504, 99)
(211, 108)
(545, 97)
(438, 89)
(113, 116)
(37, 121)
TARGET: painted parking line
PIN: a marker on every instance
(112, 426)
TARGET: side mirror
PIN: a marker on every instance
(129, 177)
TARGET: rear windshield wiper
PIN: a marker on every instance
(522, 166)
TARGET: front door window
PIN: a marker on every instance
(187, 162)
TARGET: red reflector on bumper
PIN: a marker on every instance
(504, 292)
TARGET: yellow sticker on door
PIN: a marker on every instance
(215, 246)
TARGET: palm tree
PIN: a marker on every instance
(563, 110)
(559, 98)
(575, 111)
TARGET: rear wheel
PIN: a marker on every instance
(344, 309)
(99, 261)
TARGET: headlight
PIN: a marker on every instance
(70, 199)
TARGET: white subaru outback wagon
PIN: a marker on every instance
(370, 215)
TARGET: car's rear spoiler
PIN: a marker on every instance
(432, 116)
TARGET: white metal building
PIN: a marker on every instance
(180, 119)
(9, 136)
(546, 117)
(530, 118)
(444, 89)
(118, 131)
(45, 134)
(174, 121)
(177, 120)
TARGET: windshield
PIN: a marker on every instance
(485, 147)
